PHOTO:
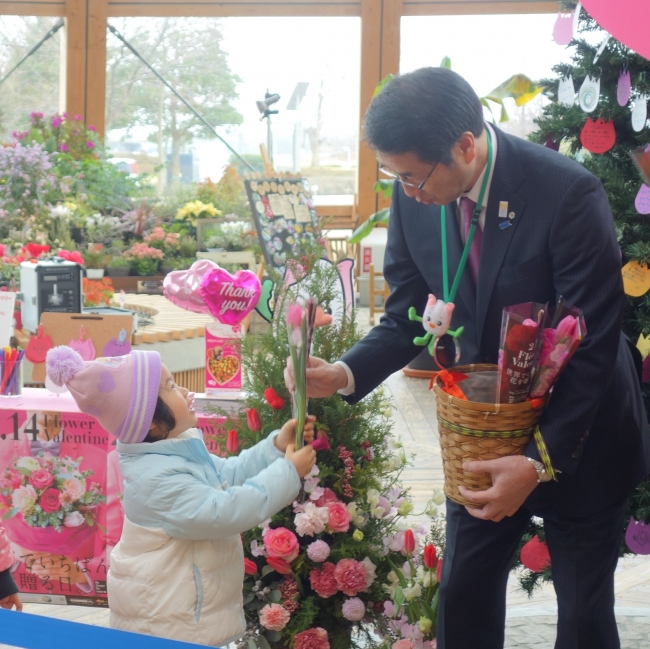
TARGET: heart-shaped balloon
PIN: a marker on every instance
(182, 286)
(627, 22)
(230, 298)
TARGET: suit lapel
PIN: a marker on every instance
(466, 289)
(496, 239)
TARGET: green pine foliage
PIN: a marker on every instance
(562, 125)
(363, 429)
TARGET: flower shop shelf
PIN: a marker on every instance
(244, 257)
(130, 283)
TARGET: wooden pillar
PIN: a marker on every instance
(85, 23)
(380, 33)
(96, 65)
(75, 33)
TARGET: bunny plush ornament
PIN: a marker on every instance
(440, 341)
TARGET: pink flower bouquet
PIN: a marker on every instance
(50, 503)
(559, 343)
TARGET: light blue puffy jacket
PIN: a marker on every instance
(177, 571)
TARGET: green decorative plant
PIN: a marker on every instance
(119, 261)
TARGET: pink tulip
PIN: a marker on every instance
(567, 327)
(295, 315)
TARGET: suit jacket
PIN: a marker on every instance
(561, 242)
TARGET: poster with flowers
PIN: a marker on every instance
(55, 501)
(61, 500)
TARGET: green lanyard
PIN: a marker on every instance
(450, 295)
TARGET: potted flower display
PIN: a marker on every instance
(144, 258)
(118, 266)
(95, 263)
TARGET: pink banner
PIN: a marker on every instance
(60, 496)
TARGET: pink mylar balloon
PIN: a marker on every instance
(626, 21)
(182, 286)
(642, 200)
(563, 29)
(637, 537)
(623, 88)
(230, 298)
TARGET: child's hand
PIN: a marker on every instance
(303, 460)
(10, 601)
(288, 433)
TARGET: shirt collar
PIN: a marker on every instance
(474, 192)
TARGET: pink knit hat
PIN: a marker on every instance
(120, 392)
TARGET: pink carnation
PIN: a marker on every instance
(312, 639)
(312, 520)
(350, 576)
(354, 609)
(274, 617)
(339, 517)
(328, 497)
(403, 644)
(324, 581)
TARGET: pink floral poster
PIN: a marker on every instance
(60, 502)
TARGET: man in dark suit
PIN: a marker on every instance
(545, 231)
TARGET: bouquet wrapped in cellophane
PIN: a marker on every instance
(300, 326)
(558, 344)
(520, 327)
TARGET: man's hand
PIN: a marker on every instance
(323, 378)
(11, 601)
(513, 479)
(287, 433)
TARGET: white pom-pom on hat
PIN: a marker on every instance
(62, 364)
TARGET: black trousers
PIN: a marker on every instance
(477, 561)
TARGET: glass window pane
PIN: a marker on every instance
(34, 86)
(223, 74)
(486, 50)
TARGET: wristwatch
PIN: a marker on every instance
(542, 476)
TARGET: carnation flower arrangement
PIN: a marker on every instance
(316, 572)
(49, 495)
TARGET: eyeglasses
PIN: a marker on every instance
(392, 174)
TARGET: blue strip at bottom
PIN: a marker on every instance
(38, 632)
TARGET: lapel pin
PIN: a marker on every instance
(503, 209)
(505, 224)
(511, 215)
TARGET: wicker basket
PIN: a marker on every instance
(479, 431)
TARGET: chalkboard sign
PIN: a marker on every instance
(284, 214)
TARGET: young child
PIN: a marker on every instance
(178, 570)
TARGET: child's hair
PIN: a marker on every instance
(165, 420)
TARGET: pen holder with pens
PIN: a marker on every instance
(11, 372)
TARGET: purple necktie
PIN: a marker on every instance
(468, 205)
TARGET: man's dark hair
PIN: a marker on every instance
(164, 417)
(426, 112)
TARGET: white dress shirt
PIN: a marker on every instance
(472, 194)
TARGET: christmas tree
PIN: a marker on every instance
(561, 126)
(318, 571)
